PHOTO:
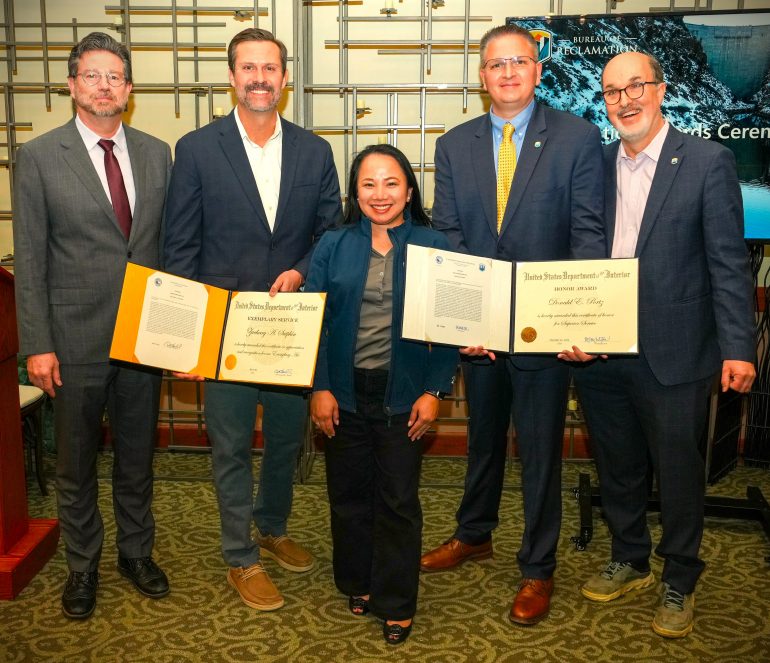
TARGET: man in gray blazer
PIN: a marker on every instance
(673, 201)
(89, 197)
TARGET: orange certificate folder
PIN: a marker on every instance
(190, 327)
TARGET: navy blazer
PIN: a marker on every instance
(339, 268)
(216, 228)
(556, 203)
(696, 305)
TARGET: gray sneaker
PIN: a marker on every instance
(614, 580)
(673, 618)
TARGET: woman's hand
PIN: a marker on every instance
(477, 351)
(424, 413)
(324, 411)
(190, 377)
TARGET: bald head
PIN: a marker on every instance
(655, 69)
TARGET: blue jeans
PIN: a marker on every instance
(231, 411)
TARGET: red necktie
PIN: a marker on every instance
(117, 187)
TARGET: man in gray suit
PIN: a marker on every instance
(673, 201)
(89, 197)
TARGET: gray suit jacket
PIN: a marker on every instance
(696, 305)
(70, 254)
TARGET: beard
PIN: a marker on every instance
(261, 106)
(642, 129)
(102, 109)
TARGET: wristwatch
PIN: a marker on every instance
(441, 395)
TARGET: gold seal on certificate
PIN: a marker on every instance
(182, 325)
(528, 334)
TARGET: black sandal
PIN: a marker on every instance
(358, 605)
(395, 634)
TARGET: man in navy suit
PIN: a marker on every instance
(553, 212)
(673, 201)
(249, 196)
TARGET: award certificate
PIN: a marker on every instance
(457, 299)
(592, 304)
(182, 325)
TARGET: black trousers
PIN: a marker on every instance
(372, 476)
(131, 396)
(632, 417)
(538, 400)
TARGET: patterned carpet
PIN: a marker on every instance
(462, 614)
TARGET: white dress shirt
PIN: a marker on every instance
(634, 183)
(265, 163)
(120, 150)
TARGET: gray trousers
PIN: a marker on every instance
(231, 412)
(131, 396)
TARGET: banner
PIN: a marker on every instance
(717, 71)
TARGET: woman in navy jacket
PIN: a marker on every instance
(375, 395)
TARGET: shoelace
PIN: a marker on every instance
(673, 599)
(253, 570)
(533, 583)
(83, 577)
(277, 540)
(612, 569)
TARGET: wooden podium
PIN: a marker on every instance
(25, 544)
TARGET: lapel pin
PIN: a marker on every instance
(538, 143)
(674, 161)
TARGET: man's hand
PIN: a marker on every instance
(737, 375)
(576, 354)
(424, 413)
(324, 411)
(288, 281)
(43, 370)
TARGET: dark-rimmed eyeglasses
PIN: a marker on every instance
(632, 90)
(92, 78)
(496, 65)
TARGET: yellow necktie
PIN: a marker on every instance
(506, 165)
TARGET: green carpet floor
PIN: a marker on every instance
(462, 614)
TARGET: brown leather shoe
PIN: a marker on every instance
(453, 552)
(289, 554)
(532, 602)
(255, 587)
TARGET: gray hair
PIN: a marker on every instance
(507, 30)
(99, 41)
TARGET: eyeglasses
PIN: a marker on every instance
(497, 65)
(92, 78)
(633, 91)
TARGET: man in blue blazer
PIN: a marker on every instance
(673, 201)
(249, 196)
(552, 210)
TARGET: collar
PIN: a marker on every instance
(519, 121)
(245, 136)
(91, 138)
(652, 151)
